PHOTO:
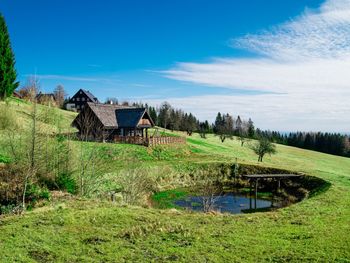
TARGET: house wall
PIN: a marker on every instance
(89, 125)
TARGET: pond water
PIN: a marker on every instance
(233, 203)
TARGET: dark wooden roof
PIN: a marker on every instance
(105, 113)
(117, 116)
(45, 95)
(17, 94)
(129, 117)
(90, 95)
(87, 93)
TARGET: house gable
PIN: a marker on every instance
(145, 121)
(79, 100)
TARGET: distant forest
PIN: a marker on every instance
(332, 143)
(226, 126)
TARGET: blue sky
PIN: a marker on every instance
(181, 51)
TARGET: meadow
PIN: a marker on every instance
(77, 229)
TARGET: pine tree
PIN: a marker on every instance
(218, 122)
(251, 129)
(8, 73)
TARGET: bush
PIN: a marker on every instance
(7, 118)
(35, 193)
(66, 182)
(136, 186)
(11, 185)
(4, 159)
(10, 209)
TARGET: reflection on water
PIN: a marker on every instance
(233, 203)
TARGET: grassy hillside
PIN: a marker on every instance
(85, 230)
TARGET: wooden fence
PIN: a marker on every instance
(165, 140)
(151, 141)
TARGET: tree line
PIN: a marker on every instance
(332, 143)
(168, 117)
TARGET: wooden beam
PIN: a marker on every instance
(250, 193)
(256, 191)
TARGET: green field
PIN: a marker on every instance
(90, 230)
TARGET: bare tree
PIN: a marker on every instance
(35, 155)
(91, 163)
(60, 95)
(30, 89)
(207, 185)
(209, 195)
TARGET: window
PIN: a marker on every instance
(78, 99)
(73, 99)
(80, 92)
(82, 99)
(78, 107)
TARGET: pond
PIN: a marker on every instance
(234, 203)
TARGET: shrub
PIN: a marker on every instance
(4, 159)
(35, 193)
(66, 182)
(11, 185)
(136, 186)
(10, 209)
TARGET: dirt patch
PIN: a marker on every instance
(42, 256)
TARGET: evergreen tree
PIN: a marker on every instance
(238, 126)
(153, 113)
(224, 126)
(251, 129)
(218, 122)
(8, 73)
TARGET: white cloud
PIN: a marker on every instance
(62, 77)
(304, 63)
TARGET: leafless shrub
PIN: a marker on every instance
(30, 89)
(135, 186)
(34, 155)
(207, 185)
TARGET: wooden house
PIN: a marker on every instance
(16, 94)
(79, 100)
(106, 122)
(46, 98)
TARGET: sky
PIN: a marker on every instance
(285, 64)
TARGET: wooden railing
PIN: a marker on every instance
(151, 141)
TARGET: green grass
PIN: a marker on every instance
(78, 230)
(22, 109)
(4, 159)
(165, 199)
